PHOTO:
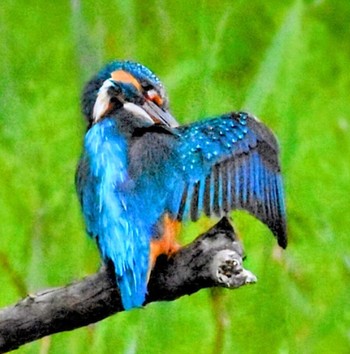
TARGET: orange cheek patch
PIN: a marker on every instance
(158, 100)
(154, 97)
(167, 243)
(124, 76)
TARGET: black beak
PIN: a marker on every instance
(159, 115)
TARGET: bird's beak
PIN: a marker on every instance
(159, 115)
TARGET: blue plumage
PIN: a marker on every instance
(137, 70)
(133, 173)
(108, 210)
(220, 167)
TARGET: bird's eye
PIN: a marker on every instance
(151, 93)
(147, 86)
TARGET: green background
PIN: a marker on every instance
(285, 61)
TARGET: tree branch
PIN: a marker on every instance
(213, 259)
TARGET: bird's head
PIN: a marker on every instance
(130, 86)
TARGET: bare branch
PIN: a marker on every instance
(213, 259)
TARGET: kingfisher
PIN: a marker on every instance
(141, 174)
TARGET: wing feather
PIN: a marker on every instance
(207, 195)
(230, 162)
(194, 201)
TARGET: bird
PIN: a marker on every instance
(141, 174)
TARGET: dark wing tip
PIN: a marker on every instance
(280, 232)
(268, 149)
(283, 243)
(282, 239)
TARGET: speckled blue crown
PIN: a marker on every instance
(136, 69)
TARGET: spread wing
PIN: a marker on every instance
(225, 163)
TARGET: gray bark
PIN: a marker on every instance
(213, 259)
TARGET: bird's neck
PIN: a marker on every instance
(125, 123)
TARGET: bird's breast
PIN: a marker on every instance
(128, 182)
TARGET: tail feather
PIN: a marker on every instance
(130, 267)
(132, 294)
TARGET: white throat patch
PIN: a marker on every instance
(102, 101)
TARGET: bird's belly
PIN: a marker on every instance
(165, 242)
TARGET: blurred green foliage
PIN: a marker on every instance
(287, 62)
